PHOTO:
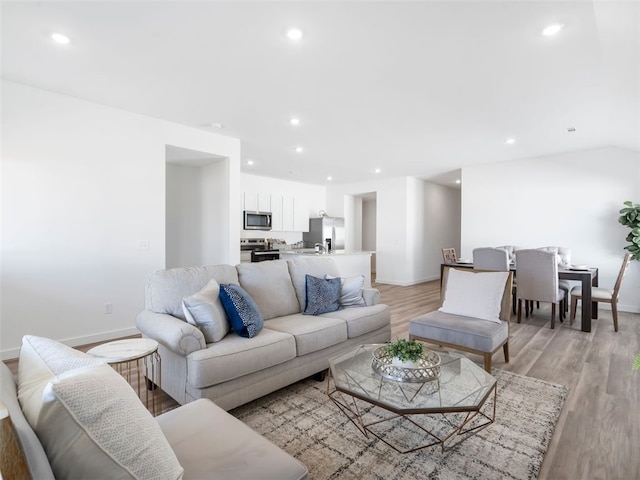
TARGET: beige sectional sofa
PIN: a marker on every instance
(290, 347)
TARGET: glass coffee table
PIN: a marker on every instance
(444, 411)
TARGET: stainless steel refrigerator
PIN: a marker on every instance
(322, 228)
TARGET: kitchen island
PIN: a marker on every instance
(350, 263)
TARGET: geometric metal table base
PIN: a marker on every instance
(457, 434)
(444, 411)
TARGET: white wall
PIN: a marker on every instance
(369, 213)
(406, 225)
(314, 194)
(194, 196)
(184, 206)
(83, 213)
(442, 224)
(569, 200)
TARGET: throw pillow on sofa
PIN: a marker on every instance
(243, 312)
(87, 417)
(350, 290)
(204, 310)
(323, 295)
(41, 359)
(92, 425)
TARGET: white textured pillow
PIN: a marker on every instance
(474, 294)
(41, 359)
(92, 425)
(204, 310)
(350, 290)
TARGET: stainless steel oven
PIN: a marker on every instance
(257, 220)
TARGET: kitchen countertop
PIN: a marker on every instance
(312, 251)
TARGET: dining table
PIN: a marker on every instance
(588, 278)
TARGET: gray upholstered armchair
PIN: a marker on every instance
(474, 316)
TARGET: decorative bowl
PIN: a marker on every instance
(428, 368)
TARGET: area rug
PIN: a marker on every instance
(304, 422)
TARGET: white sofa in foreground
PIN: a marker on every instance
(72, 417)
(291, 346)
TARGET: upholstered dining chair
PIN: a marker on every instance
(449, 255)
(494, 259)
(563, 255)
(489, 258)
(537, 273)
(604, 295)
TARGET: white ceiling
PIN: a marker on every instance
(413, 88)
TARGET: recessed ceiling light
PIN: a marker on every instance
(294, 34)
(552, 29)
(60, 38)
(329, 178)
(217, 126)
(377, 170)
(249, 162)
(458, 181)
(294, 121)
(510, 141)
(299, 149)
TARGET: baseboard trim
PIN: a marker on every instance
(406, 284)
(13, 353)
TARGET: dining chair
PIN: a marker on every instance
(494, 259)
(449, 255)
(537, 273)
(604, 295)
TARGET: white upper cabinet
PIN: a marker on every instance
(276, 210)
(287, 213)
(300, 215)
(264, 202)
(290, 214)
(257, 201)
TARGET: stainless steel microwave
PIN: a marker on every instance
(257, 220)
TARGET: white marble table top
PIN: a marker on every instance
(124, 350)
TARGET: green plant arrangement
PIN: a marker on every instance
(636, 363)
(630, 217)
(405, 350)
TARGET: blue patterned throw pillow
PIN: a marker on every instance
(322, 295)
(243, 312)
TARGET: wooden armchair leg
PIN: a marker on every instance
(574, 306)
(487, 362)
(505, 350)
(553, 315)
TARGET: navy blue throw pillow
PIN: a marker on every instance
(243, 312)
(322, 295)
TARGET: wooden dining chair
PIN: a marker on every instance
(537, 273)
(602, 295)
(449, 255)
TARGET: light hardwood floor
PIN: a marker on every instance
(598, 433)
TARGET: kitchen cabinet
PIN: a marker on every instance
(257, 201)
(300, 215)
(287, 213)
(276, 210)
(290, 213)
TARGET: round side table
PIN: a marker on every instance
(131, 356)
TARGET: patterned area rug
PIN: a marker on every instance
(304, 422)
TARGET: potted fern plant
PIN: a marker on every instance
(405, 353)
